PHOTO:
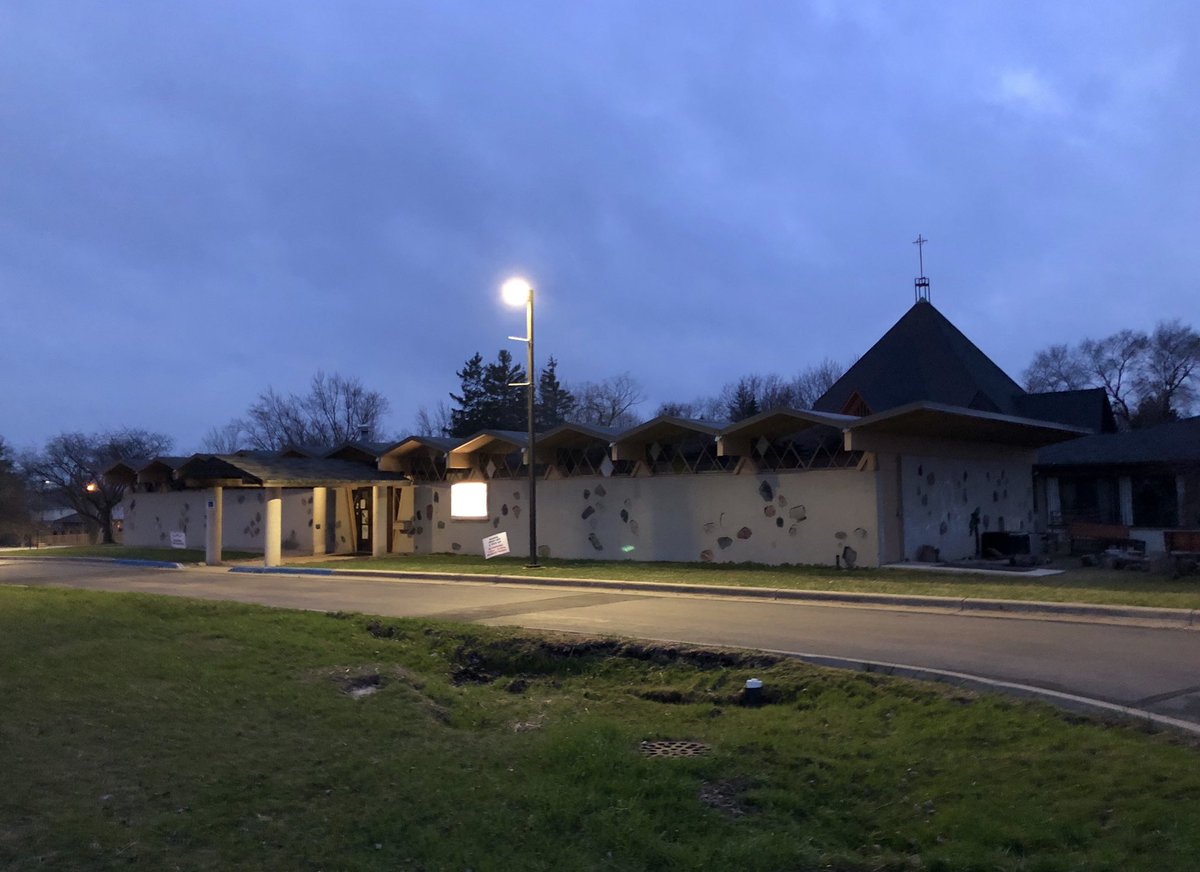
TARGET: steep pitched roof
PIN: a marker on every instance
(923, 357)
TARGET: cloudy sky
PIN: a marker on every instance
(198, 199)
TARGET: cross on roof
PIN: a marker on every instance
(921, 285)
(919, 242)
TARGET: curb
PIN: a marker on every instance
(280, 570)
(1060, 699)
(118, 561)
(1031, 609)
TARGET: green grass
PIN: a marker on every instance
(153, 733)
(174, 555)
(1076, 584)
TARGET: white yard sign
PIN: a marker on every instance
(178, 539)
(494, 546)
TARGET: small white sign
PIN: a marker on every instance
(178, 539)
(494, 546)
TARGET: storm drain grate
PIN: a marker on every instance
(674, 748)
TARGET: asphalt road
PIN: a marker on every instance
(1150, 669)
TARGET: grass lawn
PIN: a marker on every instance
(173, 555)
(1076, 584)
(152, 733)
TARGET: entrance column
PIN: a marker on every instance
(379, 520)
(273, 529)
(213, 518)
(1125, 499)
(318, 519)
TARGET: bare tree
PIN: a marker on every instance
(1057, 368)
(1113, 363)
(336, 409)
(813, 381)
(15, 509)
(225, 439)
(1169, 369)
(72, 464)
(775, 392)
(433, 422)
(700, 409)
(340, 409)
(274, 421)
(608, 403)
(754, 393)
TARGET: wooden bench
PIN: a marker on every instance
(1184, 548)
(1088, 537)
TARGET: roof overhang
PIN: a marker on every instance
(487, 442)
(575, 436)
(210, 470)
(738, 439)
(628, 446)
(926, 420)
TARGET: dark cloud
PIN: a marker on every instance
(202, 200)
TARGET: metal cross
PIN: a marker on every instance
(919, 242)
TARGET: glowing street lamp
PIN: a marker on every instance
(518, 292)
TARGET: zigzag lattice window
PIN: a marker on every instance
(813, 448)
(424, 467)
(690, 453)
(590, 460)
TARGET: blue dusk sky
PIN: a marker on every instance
(199, 200)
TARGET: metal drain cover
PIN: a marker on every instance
(674, 748)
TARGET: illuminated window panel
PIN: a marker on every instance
(468, 501)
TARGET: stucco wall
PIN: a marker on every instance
(150, 518)
(939, 494)
(795, 517)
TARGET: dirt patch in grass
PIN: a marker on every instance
(357, 682)
(726, 796)
(484, 660)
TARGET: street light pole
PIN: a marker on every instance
(516, 291)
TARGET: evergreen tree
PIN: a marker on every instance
(468, 418)
(554, 402)
(489, 399)
(744, 403)
(505, 405)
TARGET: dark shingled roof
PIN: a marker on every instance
(925, 358)
(282, 471)
(1174, 443)
(1087, 408)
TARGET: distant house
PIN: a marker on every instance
(1146, 480)
(921, 436)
